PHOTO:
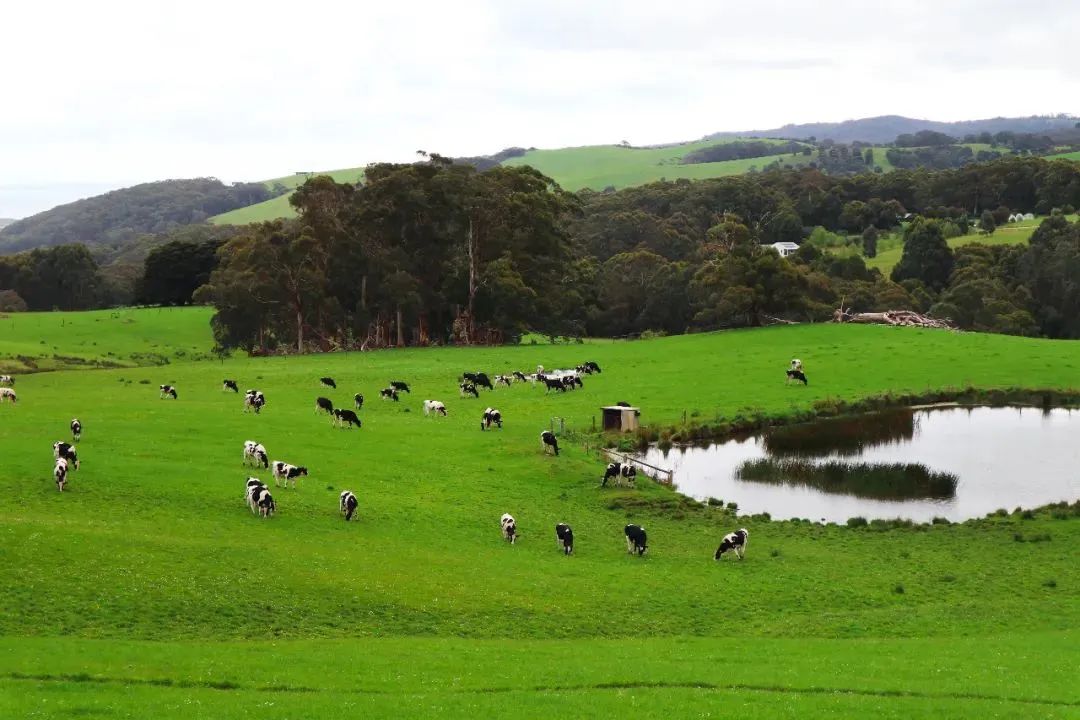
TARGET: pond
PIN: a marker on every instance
(913, 463)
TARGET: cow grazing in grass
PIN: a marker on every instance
(400, 386)
(166, 391)
(323, 405)
(592, 367)
(509, 528)
(7, 380)
(504, 380)
(520, 376)
(797, 376)
(565, 537)
(255, 454)
(548, 440)
(348, 504)
(254, 400)
(229, 385)
(284, 472)
(434, 406)
(343, 416)
(262, 502)
(389, 394)
(734, 541)
(482, 380)
(67, 452)
(328, 382)
(636, 540)
(552, 383)
(253, 484)
(620, 471)
(358, 400)
(467, 388)
(7, 393)
(60, 473)
(491, 417)
(76, 430)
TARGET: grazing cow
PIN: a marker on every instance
(635, 539)
(389, 394)
(7, 380)
(229, 385)
(509, 527)
(623, 403)
(263, 502)
(504, 380)
(7, 393)
(519, 376)
(252, 484)
(565, 537)
(482, 380)
(166, 391)
(796, 375)
(796, 364)
(548, 440)
(324, 405)
(400, 386)
(328, 382)
(358, 400)
(60, 473)
(554, 384)
(467, 388)
(539, 369)
(254, 400)
(570, 381)
(491, 417)
(733, 541)
(284, 472)
(592, 367)
(348, 504)
(434, 406)
(343, 416)
(620, 471)
(468, 377)
(67, 452)
(76, 430)
(255, 454)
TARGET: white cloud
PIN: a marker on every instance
(112, 93)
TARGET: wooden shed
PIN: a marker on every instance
(620, 418)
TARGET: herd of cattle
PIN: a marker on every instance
(261, 502)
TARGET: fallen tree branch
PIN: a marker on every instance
(898, 318)
(779, 321)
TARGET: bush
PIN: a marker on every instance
(899, 589)
(948, 578)
(774, 553)
(1049, 583)
(940, 521)
(733, 506)
(857, 521)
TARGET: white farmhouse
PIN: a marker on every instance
(785, 248)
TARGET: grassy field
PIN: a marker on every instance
(279, 207)
(149, 590)
(1067, 156)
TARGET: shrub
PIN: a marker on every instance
(733, 506)
(857, 521)
(714, 502)
(948, 578)
(940, 521)
(899, 589)
(1027, 515)
(1049, 583)
(774, 553)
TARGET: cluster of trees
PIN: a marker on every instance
(743, 149)
(61, 278)
(119, 217)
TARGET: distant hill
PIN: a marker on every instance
(121, 216)
(885, 128)
(4, 222)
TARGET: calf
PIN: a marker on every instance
(548, 440)
(254, 400)
(389, 394)
(284, 472)
(503, 380)
(509, 528)
(7, 394)
(519, 376)
(434, 406)
(263, 502)
(620, 471)
(797, 376)
(592, 367)
(358, 400)
(733, 541)
(491, 417)
(348, 504)
(324, 405)
(60, 473)
(565, 537)
(343, 416)
(467, 388)
(328, 382)
(255, 454)
(166, 391)
(400, 386)
(76, 430)
(635, 539)
(7, 380)
(229, 385)
(67, 452)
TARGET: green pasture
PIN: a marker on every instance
(279, 206)
(148, 589)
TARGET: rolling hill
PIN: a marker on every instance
(4, 222)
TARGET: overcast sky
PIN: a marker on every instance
(104, 94)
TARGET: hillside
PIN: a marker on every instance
(118, 217)
(4, 222)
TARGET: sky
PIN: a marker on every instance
(106, 94)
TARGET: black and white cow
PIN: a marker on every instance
(509, 528)
(348, 504)
(468, 388)
(7, 380)
(255, 454)
(548, 440)
(166, 391)
(227, 384)
(554, 383)
(636, 540)
(76, 430)
(328, 382)
(797, 376)
(67, 452)
(343, 416)
(565, 537)
(434, 406)
(620, 471)
(504, 380)
(482, 380)
(491, 417)
(389, 394)
(592, 367)
(254, 400)
(262, 502)
(324, 405)
(7, 393)
(284, 472)
(358, 400)
(252, 485)
(400, 386)
(60, 473)
(520, 376)
(733, 541)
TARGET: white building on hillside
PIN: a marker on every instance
(785, 248)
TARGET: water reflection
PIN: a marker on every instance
(841, 436)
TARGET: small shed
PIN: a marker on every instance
(785, 248)
(620, 418)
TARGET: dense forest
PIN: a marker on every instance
(118, 217)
